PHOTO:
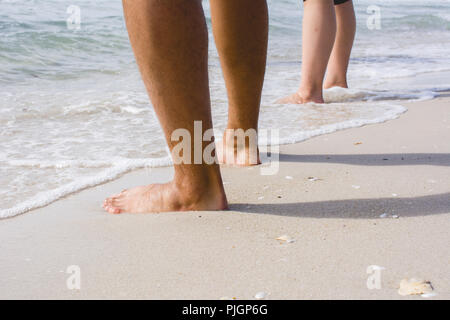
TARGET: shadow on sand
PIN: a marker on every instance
(361, 208)
(354, 208)
(388, 159)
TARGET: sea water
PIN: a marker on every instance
(74, 112)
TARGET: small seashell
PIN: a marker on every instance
(285, 238)
(356, 187)
(414, 287)
(260, 295)
(313, 178)
(394, 194)
(374, 267)
(428, 295)
(383, 215)
(289, 178)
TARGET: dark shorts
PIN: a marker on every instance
(336, 2)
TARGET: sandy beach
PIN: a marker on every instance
(328, 197)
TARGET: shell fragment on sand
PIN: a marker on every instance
(414, 287)
(289, 178)
(313, 179)
(429, 295)
(285, 238)
(385, 215)
(260, 295)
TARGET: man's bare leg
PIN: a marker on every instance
(170, 42)
(319, 31)
(340, 56)
(241, 33)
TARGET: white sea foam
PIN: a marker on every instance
(70, 174)
(46, 197)
(391, 112)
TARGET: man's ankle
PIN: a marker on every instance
(197, 176)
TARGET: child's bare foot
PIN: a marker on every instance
(166, 197)
(298, 98)
(231, 152)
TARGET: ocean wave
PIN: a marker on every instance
(113, 168)
(46, 197)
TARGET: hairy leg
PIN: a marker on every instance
(241, 33)
(340, 56)
(170, 42)
(319, 31)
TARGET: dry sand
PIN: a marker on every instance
(401, 168)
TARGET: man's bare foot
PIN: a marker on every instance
(166, 197)
(230, 153)
(298, 98)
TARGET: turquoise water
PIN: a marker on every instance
(74, 112)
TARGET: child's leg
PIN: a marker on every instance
(340, 56)
(319, 31)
